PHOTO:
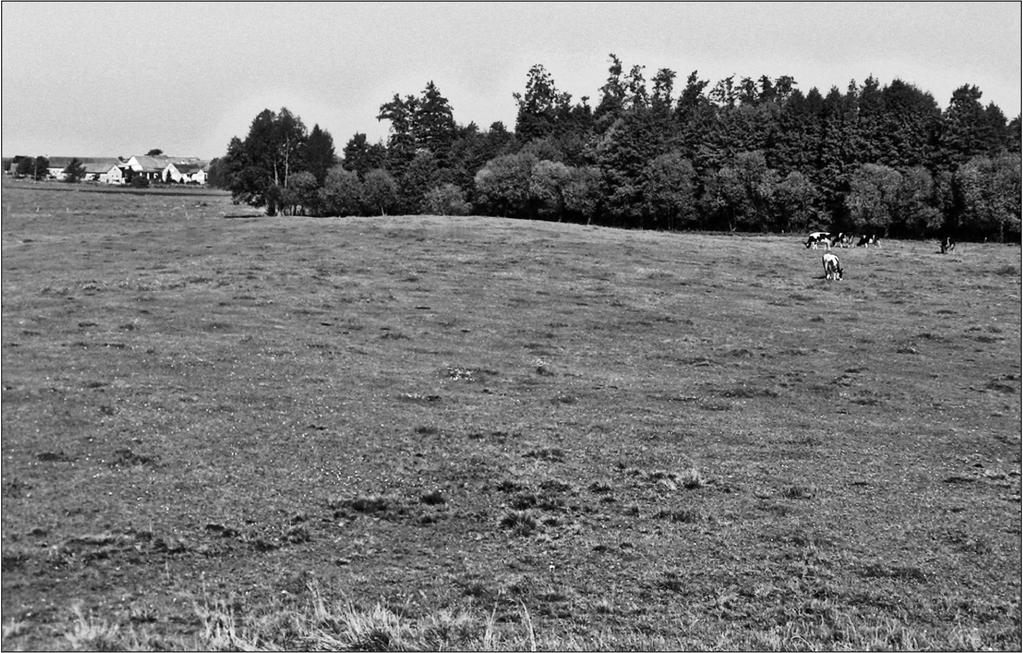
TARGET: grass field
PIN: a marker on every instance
(430, 432)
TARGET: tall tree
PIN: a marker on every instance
(622, 154)
(988, 197)
(669, 192)
(472, 149)
(582, 193)
(612, 96)
(33, 167)
(421, 174)
(502, 185)
(873, 198)
(547, 181)
(966, 128)
(743, 191)
(724, 93)
(361, 156)
(664, 82)
(341, 194)
(916, 213)
(74, 172)
(637, 97)
(795, 203)
(908, 128)
(217, 175)
(542, 107)
(265, 160)
(319, 153)
(300, 196)
(401, 143)
(379, 191)
(433, 123)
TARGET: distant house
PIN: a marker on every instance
(186, 172)
(114, 175)
(148, 167)
(153, 167)
(99, 169)
(57, 164)
(94, 166)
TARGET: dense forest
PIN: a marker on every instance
(740, 155)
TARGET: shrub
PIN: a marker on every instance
(446, 199)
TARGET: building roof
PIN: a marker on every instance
(189, 168)
(63, 161)
(100, 165)
(160, 163)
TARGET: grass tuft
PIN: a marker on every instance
(691, 479)
(799, 492)
(521, 522)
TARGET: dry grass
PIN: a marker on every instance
(486, 434)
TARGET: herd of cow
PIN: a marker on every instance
(826, 239)
(833, 267)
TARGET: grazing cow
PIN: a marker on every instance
(869, 241)
(832, 267)
(817, 239)
(947, 244)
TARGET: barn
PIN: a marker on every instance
(186, 172)
(99, 169)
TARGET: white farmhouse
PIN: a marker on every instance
(153, 168)
(186, 172)
(148, 167)
(99, 169)
(115, 175)
(94, 166)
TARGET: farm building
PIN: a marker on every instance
(186, 172)
(118, 170)
(149, 167)
(94, 166)
(100, 169)
(153, 168)
(57, 165)
(115, 174)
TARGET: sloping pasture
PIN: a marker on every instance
(616, 438)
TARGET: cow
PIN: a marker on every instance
(868, 241)
(845, 240)
(947, 244)
(817, 239)
(832, 267)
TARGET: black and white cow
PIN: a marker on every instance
(947, 245)
(818, 238)
(869, 241)
(832, 267)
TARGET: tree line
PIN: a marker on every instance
(740, 154)
(38, 168)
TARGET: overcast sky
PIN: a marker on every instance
(112, 79)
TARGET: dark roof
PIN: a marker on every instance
(63, 161)
(101, 165)
(188, 168)
(159, 163)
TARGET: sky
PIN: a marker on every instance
(116, 79)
